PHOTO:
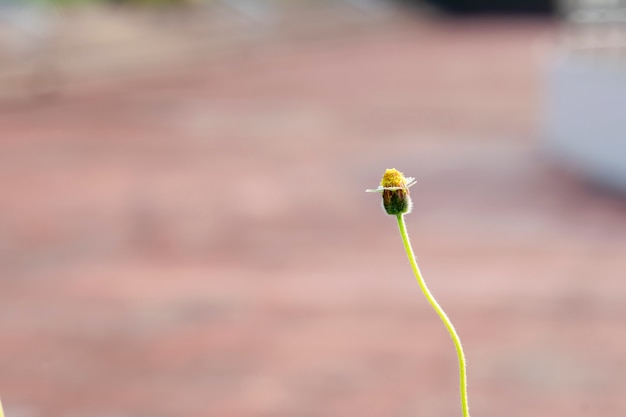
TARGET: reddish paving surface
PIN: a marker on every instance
(201, 245)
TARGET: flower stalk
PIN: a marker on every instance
(440, 312)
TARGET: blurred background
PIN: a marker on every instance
(184, 229)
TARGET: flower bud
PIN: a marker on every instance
(395, 190)
(396, 199)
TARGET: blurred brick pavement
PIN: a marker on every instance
(200, 244)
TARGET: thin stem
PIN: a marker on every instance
(442, 315)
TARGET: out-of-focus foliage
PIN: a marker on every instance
(151, 2)
(131, 2)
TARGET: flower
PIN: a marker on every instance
(394, 187)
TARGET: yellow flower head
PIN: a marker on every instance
(393, 178)
(395, 190)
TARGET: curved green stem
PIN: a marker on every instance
(442, 315)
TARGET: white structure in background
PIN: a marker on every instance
(586, 92)
(26, 32)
